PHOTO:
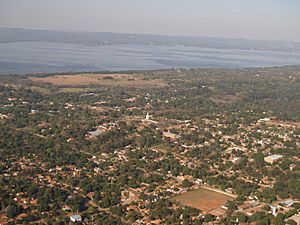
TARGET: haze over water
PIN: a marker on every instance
(28, 57)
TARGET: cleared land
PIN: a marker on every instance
(207, 201)
(76, 89)
(125, 80)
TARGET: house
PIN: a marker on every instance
(95, 133)
(2, 116)
(292, 166)
(288, 202)
(76, 218)
(236, 160)
(170, 135)
(273, 158)
(199, 181)
(264, 120)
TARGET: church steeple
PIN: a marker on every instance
(147, 116)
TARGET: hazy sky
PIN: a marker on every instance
(260, 19)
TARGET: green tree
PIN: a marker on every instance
(186, 183)
(13, 211)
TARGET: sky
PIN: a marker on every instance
(252, 19)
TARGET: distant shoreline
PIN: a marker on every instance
(8, 35)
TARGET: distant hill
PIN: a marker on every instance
(101, 38)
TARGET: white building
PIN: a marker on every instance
(76, 218)
(288, 202)
(273, 210)
(273, 158)
(147, 116)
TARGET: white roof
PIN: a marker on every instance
(75, 217)
(95, 133)
(288, 202)
(274, 157)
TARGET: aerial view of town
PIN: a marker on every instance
(213, 146)
(161, 112)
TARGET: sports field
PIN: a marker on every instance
(204, 199)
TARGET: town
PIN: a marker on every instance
(178, 146)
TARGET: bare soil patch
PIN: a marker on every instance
(203, 199)
(126, 80)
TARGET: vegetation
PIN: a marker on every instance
(86, 147)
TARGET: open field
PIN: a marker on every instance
(283, 123)
(125, 80)
(207, 201)
(40, 89)
(45, 90)
(76, 89)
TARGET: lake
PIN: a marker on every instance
(35, 57)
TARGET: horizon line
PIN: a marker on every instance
(150, 34)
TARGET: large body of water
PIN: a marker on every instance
(28, 57)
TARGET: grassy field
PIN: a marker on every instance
(43, 90)
(76, 89)
(125, 80)
(40, 89)
(203, 199)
